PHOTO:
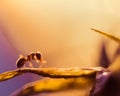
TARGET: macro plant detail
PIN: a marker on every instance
(102, 79)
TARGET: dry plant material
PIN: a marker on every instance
(9, 74)
(75, 77)
(107, 35)
(53, 72)
(52, 85)
(103, 80)
(106, 80)
(104, 61)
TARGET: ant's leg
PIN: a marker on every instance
(24, 65)
(38, 61)
(41, 62)
(25, 62)
(40, 65)
(30, 64)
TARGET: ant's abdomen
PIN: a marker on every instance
(20, 63)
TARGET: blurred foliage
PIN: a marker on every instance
(52, 85)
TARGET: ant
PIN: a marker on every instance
(36, 56)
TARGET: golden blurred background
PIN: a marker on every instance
(60, 29)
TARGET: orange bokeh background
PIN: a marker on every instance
(60, 29)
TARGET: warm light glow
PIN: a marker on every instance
(60, 29)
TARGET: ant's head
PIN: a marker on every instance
(39, 57)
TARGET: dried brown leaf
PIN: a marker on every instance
(10, 74)
(73, 72)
